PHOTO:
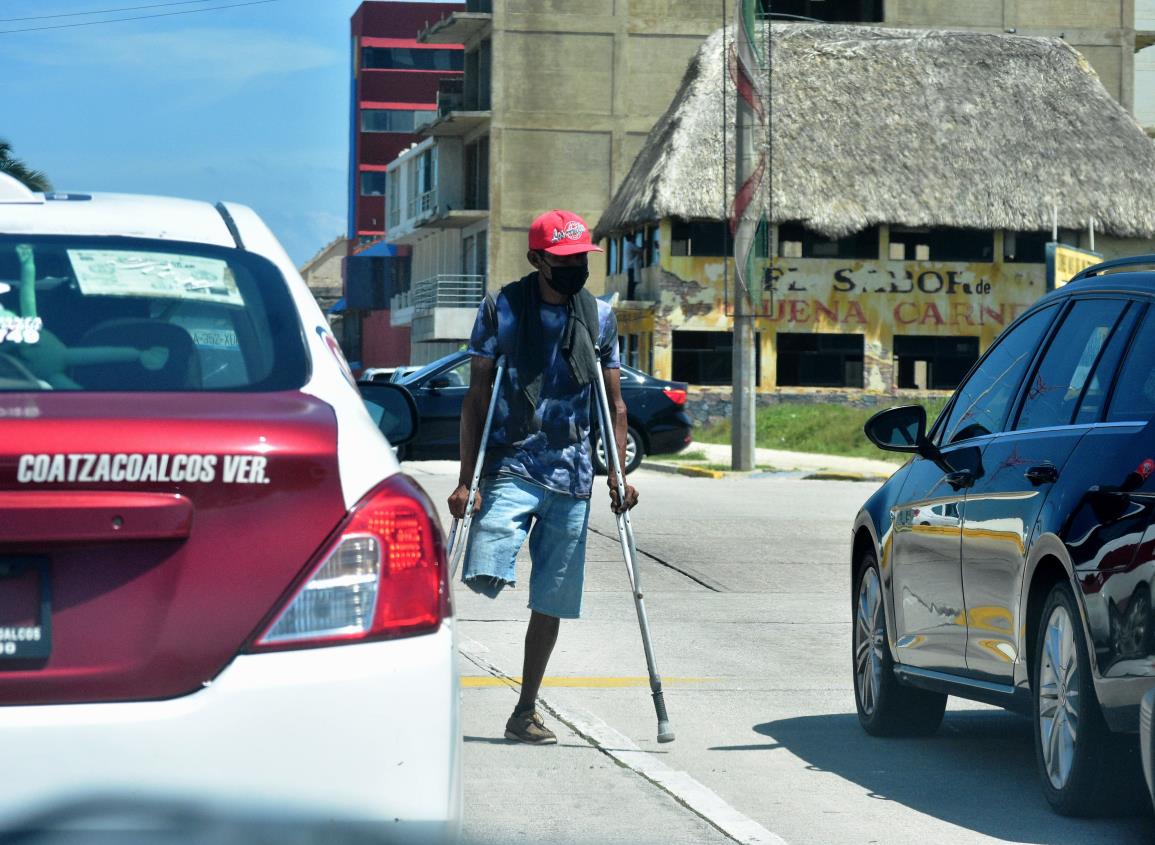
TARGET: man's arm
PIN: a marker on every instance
(473, 411)
(613, 379)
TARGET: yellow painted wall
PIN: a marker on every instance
(878, 299)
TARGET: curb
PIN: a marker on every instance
(830, 475)
(703, 472)
(680, 469)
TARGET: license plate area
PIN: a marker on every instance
(25, 608)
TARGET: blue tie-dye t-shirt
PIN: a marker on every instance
(556, 454)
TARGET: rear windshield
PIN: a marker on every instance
(124, 314)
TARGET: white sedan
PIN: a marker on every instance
(215, 585)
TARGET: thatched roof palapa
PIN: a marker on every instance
(910, 127)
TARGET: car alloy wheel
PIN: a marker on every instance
(869, 641)
(633, 453)
(1059, 702)
(885, 706)
(1084, 768)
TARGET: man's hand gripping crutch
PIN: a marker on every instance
(463, 505)
(624, 497)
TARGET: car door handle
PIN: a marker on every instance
(960, 479)
(1042, 474)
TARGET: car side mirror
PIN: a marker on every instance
(392, 407)
(898, 429)
(438, 383)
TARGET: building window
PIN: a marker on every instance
(629, 349)
(933, 362)
(1031, 247)
(819, 360)
(478, 70)
(394, 120)
(372, 183)
(393, 200)
(477, 174)
(655, 237)
(407, 58)
(941, 244)
(833, 11)
(700, 237)
(796, 241)
(707, 357)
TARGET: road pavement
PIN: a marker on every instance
(746, 585)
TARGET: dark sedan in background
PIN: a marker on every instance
(657, 413)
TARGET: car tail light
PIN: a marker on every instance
(382, 575)
(677, 395)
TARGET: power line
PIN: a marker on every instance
(137, 17)
(101, 11)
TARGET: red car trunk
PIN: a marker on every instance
(144, 537)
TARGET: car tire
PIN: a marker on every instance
(635, 452)
(1085, 769)
(885, 706)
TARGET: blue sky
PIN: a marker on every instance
(248, 104)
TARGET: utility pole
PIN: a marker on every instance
(747, 173)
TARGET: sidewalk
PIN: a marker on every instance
(810, 465)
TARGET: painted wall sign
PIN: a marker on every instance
(1065, 262)
(825, 293)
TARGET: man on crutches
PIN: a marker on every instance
(553, 335)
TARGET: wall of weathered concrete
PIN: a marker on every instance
(576, 89)
(710, 405)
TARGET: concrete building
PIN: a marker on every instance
(323, 274)
(558, 98)
(904, 239)
(394, 83)
(1102, 30)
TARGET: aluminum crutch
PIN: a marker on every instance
(458, 539)
(629, 550)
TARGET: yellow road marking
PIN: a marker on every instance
(491, 681)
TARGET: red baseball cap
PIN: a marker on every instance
(561, 233)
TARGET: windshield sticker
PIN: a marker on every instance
(20, 329)
(115, 273)
(215, 338)
(136, 468)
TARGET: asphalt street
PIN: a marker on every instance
(747, 588)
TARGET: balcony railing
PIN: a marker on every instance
(422, 204)
(447, 291)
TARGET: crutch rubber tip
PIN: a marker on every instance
(664, 732)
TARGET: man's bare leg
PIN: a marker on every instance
(540, 637)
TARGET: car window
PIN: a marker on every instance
(1074, 351)
(982, 402)
(459, 375)
(96, 314)
(1098, 389)
(1133, 397)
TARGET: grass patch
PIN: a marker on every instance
(829, 429)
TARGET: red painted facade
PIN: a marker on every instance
(388, 26)
(383, 345)
(384, 26)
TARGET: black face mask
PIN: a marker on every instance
(568, 280)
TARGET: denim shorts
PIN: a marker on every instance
(557, 544)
